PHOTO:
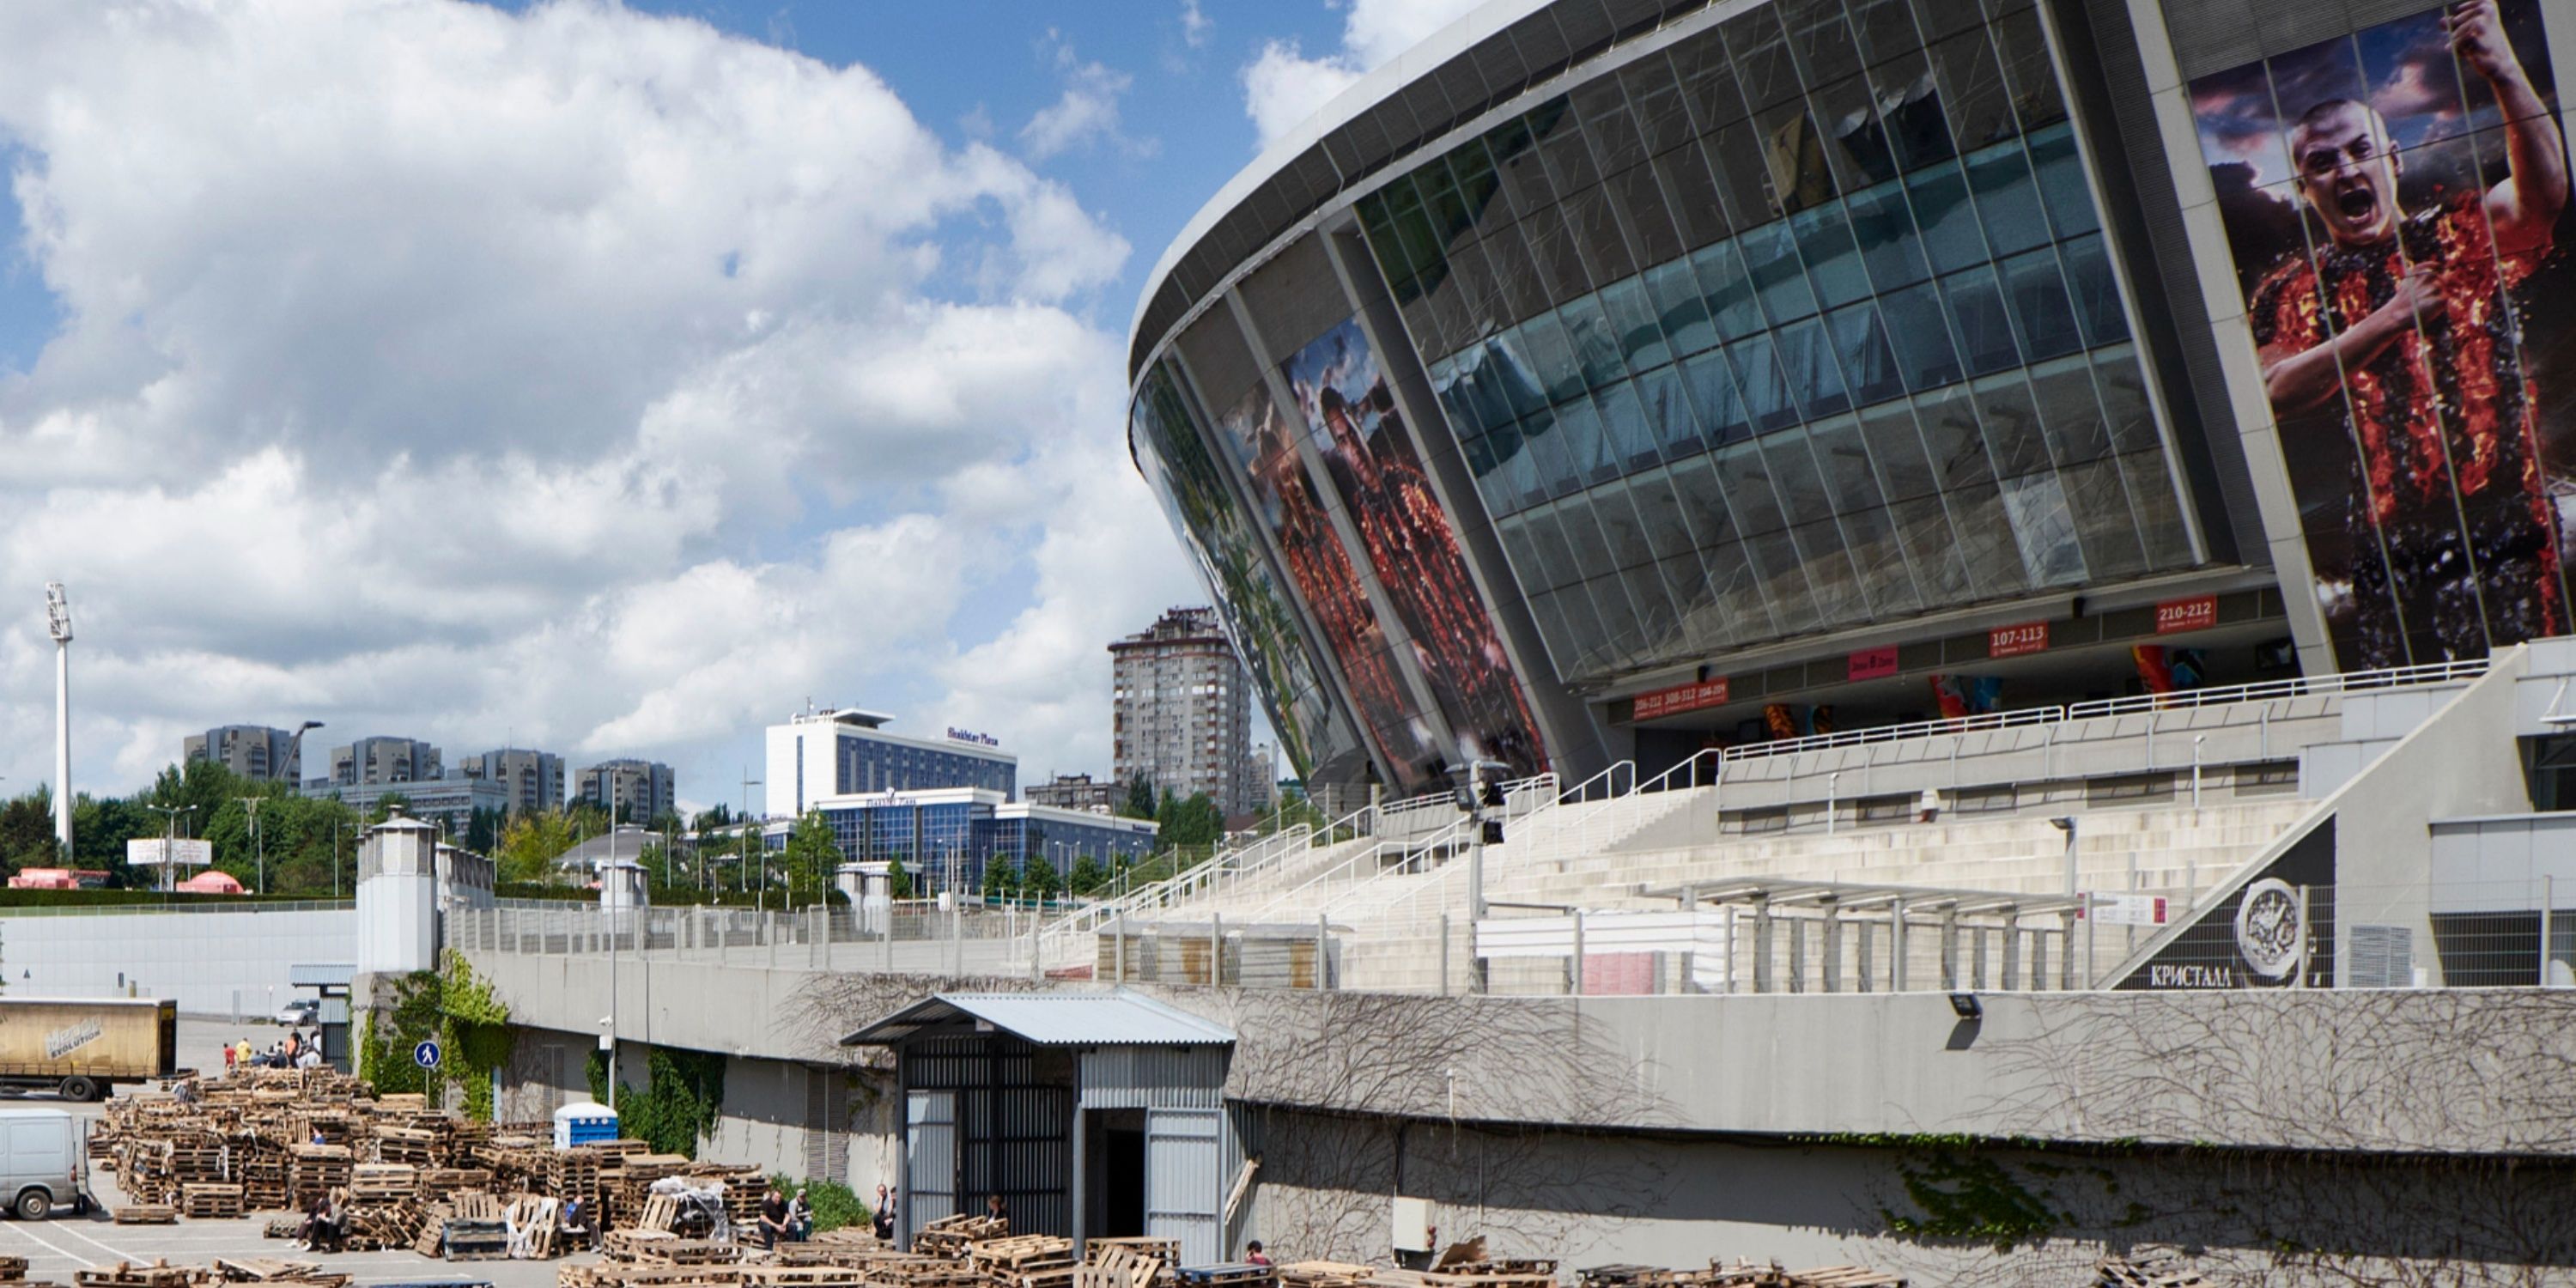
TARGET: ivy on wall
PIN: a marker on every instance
(451, 1005)
(682, 1095)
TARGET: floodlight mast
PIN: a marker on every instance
(58, 623)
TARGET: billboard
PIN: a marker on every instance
(2395, 200)
(155, 851)
(1404, 532)
(2278, 931)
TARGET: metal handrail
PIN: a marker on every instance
(177, 905)
(1225, 863)
(2269, 690)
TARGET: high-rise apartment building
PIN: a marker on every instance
(252, 751)
(637, 790)
(1181, 711)
(534, 779)
(384, 760)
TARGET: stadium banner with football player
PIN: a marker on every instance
(2277, 931)
(2396, 203)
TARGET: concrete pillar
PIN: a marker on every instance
(2012, 949)
(1761, 945)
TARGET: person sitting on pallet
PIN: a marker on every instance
(326, 1225)
(1252, 1254)
(996, 1210)
(773, 1216)
(800, 1218)
(885, 1214)
(576, 1225)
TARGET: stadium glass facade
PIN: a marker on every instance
(1617, 378)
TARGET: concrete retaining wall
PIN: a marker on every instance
(217, 962)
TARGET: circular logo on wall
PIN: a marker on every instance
(2270, 929)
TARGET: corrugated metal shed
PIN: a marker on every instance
(1117, 1018)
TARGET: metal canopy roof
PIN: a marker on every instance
(1782, 892)
(1117, 1018)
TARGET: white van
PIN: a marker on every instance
(41, 1162)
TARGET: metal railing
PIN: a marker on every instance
(2141, 704)
(179, 905)
(1224, 869)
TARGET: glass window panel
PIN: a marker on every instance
(1939, 18)
(1819, 39)
(1637, 202)
(1596, 346)
(1749, 498)
(1631, 439)
(2061, 181)
(1543, 438)
(1737, 608)
(1728, 288)
(1480, 300)
(2104, 524)
(1552, 631)
(2007, 201)
(1552, 244)
(1845, 462)
(1658, 617)
(1674, 292)
(2097, 294)
(1922, 334)
(2042, 319)
(2124, 402)
(1551, 357)
(1478, 186)
(1972, 87)
(2069, 413)
(1953, 440)
(1799, 174)
(1690, 197)
(1429, 331)
(1516, 163)
(1442, 205)
(1868, 365)
(1762, 386)
(1951, 237)
(1831, 578)
(1606, 257)
(1583, 539)
(1833, 261)
(1561, 146)
(1383, 243)
(1633, 323)
(1616, 142)
(1554, 564)
(1509, 374)
(1617, 634)
(1659, 512)
(1884, 577)
(1771, 255)
(1987, 542)
(1412, 226)
(1703, 501)
(1794, 478)
(1691, 601)
(1531, 567)
(1714, 397)
(2043, 530)
(1708, 83)
(1516, 272)
(1776, 566)
(1885, 29)
(1856, 143)
(1669, 417)
(1655, 100)
(1909, 108)
(2151, 494)
(2028, 77)
(1762, 62)
(1807, 359)
(1621, 531)
(1587, 444)
(1978, 317)
(2011, 424)
(1529, 469)
(1883, 227)
(1737, 159)
(1932, 547)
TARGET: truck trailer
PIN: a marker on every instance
(82, 1046)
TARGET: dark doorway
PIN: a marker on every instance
(1118, 1175)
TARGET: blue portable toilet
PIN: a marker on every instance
(584, 1123)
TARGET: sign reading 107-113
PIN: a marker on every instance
(426, 1054)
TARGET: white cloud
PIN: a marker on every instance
(573, 376)
(1282, 86)
(1087, 112)
(1195, 24)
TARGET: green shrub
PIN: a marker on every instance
(834, 1205)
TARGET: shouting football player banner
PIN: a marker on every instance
(2396, 202)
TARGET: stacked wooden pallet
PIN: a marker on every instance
(573, 1173)
(2147, 1270)
(1325, 1274)
(437, 1182)
(1023, 1261)
(126, 1274)
(210, 1202)
(1773, 1276)
(1492, 1273)
(268, 1270)
(383, 1182)
(146, 1214)
(1237, 1274)
(950, 1236)
(1119, 1264)
(263, 1177)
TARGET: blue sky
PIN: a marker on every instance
(611, 379)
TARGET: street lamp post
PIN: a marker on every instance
(250, 804)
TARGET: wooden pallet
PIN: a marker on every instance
(951, 1235)
(1118, 1266)
(2164, 1271)
(1019, 1252)
(13, 1269)
(126, 1274)
(1232, 1273)
(147, 1214)
(210, 1202)
(1323, 1274)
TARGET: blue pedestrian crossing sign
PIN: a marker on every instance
(426, 1054)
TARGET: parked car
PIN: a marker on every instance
(40, 1162)
(303, 1012)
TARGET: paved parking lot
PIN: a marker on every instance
(56, 1247)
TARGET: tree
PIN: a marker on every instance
(898, 881)
(812, 854)
(708, 820)
(1037, 878)
(483, 830)
(27, 831)
(1140, 798)
(1192, 822)
(531, 844)
(1087, 875)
